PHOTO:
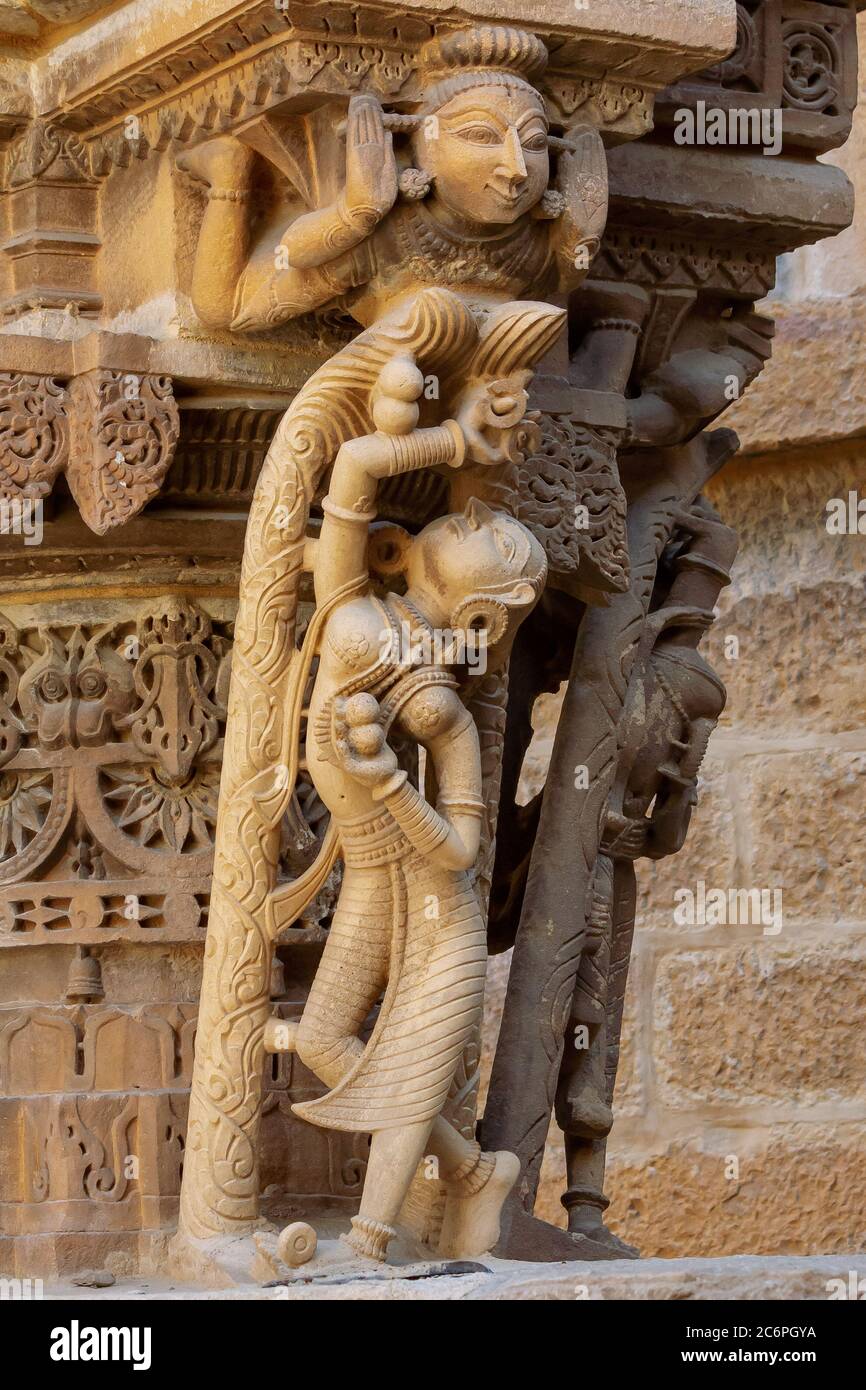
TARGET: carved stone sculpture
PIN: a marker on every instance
(674, 700)
(359, 370)
(482, 126)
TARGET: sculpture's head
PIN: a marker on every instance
(480, 571)
(482, 133)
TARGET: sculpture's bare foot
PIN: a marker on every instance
(471, 1222)
(221, 163)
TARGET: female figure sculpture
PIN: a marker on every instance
(477, 214)
(434, 288)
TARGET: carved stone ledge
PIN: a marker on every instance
(708, 195)
(262, 84)
(241, 61)
(653, 257)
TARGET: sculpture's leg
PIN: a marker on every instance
(582, 1109)
(477, 1185)
(351, 977)
(394, 1157)
(583, 1103)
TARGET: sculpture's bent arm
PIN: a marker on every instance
(323, 254)
(351, 501)
(267, 297)
(369, 194)
(234, 287)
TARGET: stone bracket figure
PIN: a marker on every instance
(673, 704)
(665, 468)
(437, 293)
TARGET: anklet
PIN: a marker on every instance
(369, 1238)
(475, 1170)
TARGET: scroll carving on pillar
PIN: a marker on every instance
(437, 380)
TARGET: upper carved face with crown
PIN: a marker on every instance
(486, 153)
(483, 136)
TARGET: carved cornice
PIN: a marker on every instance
(121, 126)
(666, 260)
(244, 60)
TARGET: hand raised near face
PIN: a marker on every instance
(583, 189)
(371, 170)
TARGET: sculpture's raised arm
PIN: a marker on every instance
(578, 204)
(242, 286)
(396, 447)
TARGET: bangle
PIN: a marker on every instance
(344, 514)
(391, 785)
(228, 195)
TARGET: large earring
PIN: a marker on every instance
(388, 549)
(415, 184)
(550, 205)
(481, 613)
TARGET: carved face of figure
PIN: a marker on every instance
(486, 149)
(481, 568)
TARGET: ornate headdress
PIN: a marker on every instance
(494, 55)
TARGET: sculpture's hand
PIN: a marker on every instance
(371, 170)
(359, 741)
(582, 185)
(492, 416)
(223, 163)
(632, 840)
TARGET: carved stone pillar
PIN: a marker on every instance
(135, 424)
